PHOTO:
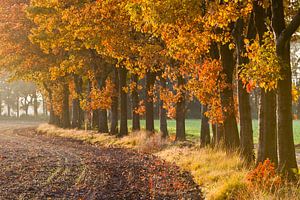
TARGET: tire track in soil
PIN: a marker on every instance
(33, 166)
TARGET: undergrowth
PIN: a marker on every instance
(221, 175)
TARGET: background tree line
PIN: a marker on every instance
(21, 100)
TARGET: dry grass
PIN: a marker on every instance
(141, 140)
(217, 173)
(221, 175)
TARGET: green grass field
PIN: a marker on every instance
(193, 128)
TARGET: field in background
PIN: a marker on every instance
(193, 128)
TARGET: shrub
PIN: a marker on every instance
(264, 177)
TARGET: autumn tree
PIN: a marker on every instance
(283, 33)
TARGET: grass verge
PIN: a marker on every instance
(220, 175)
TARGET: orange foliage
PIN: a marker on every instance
(264, 176)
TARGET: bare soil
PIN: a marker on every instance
(33, 166)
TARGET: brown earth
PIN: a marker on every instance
(41, 167)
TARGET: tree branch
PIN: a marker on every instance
(290, 29)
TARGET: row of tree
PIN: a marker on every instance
(19, 99)
(93, 54)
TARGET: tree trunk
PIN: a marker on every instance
(103, 121)
(95, 119)
(205, 132)
(66, 113)
(77, 113)
(123, 102)
(218, 129)
(44, 106)
(18, 107)
(246, 130)
(287, 156)
(267, 146)
(115, 103)
(214, 131)
(180, 112)
(102, 113)
(220, 135)
(35, 105)
(163, 113)
(150, 79)
(135, 104)
(231, 134)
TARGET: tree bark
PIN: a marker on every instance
(115, 104)
(103, 121)
(95, 119)
(77, 113)
(218, 128)
(246, 130)
(102, 113)
(267, 146)
(287, 156)
(150, 79)
(135, 104)
(205, 132)
(214, 131)
(180, 112)
(163, 113)
(66, 114)
(35, 104)
(18, 107)
(231, 139)
(44, 106)
(123, 102)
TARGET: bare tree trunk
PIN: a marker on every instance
(35, 104)
(103, 121)
(77, 113)
(66, 113)
(267, 146)
(205, 132)
(123, 102)
(115, 104)
(135, 104)
(231, 134)
(102, 113)
(18, 107)
(287, 156)
(150, 79)
(95, 119)
(246, 130)
(163, 113)
(214, 130)
(180, 113)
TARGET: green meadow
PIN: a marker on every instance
(193, 128)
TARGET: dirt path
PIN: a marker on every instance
(40, 167)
